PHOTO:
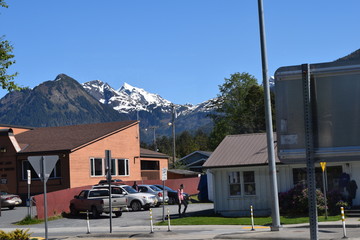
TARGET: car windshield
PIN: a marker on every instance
(3, 193)
(155, 188)
(129, 189)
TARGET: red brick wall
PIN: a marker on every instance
(59, 201)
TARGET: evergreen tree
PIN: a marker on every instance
(6, 60)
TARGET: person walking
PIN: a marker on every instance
(181, 200)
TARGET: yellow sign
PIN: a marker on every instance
(323, 166)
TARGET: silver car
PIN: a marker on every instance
(152, 189)
(9, 200)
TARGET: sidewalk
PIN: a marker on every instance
(327, 230)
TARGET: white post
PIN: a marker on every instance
(168, 212)
(151, 222)
(252, 218)
(343, 221)
(88, 222)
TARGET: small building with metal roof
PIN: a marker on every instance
(238, 175)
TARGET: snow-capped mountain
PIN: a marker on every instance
(151, 109)
(129, 99)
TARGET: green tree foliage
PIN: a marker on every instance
(239, 108)
(185, 142)
(6, 60)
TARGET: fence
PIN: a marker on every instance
(59, 201)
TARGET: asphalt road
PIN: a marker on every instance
(72, 226)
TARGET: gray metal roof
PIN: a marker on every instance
(239, 150)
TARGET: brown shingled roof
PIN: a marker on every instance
(149, 153)
(238, 150)
(67, 137)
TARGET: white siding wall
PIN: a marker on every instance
(240, 205)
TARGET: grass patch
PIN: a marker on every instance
(31, 221)
(264, 221)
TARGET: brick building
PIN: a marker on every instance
(81, 151)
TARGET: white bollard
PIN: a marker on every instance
(252, 218)
(168, 212)
(343, 221)
(88, 222)
(151, 222)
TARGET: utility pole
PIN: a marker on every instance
(173, 132)
(269, 129)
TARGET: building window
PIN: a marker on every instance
(56, 172)
(113, 167)
(249, 183)
(119, 167)
(123, 167)
(242, 183)
(234, 184)
(97, 167)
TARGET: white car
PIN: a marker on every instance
(9, 200)
(152, 189)
(135, 200)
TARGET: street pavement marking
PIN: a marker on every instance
(254, 227)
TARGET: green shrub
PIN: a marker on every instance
(18, 234)
(296, 201)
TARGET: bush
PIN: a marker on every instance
(295, 201)
(18, 234)
(335, 201)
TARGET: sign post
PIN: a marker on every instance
(28, 199)
(163, 178)
(108, 178)
(43, 166)
(323, 167)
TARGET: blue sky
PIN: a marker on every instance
(181, 50)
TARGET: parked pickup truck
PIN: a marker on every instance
(96, 201)
(135, 200)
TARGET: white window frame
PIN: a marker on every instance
(126, 166)
(34, 176)
(242, 184)
(114, 167)
(92, 167)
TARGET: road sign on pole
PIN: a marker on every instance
(43, 170)
(43, 166)
(164, 174)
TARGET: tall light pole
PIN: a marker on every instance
(269, 129)
(173, 132)
(154, 140)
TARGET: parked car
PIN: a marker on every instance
(152, 189)
(135, 200)
(96, 201)
(9, 200)
(172, 194)
(113, 181)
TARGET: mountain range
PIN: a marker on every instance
(64, 101)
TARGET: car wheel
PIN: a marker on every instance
(171, 201)
(136, 206)
(73, 211)
(95, 212)
(118, 214)
(11, 207)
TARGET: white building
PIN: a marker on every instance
(238, 175)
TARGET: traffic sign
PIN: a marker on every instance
(164, 174)
(323, 166)
(43, 165)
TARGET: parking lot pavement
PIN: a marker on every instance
(8, 217)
